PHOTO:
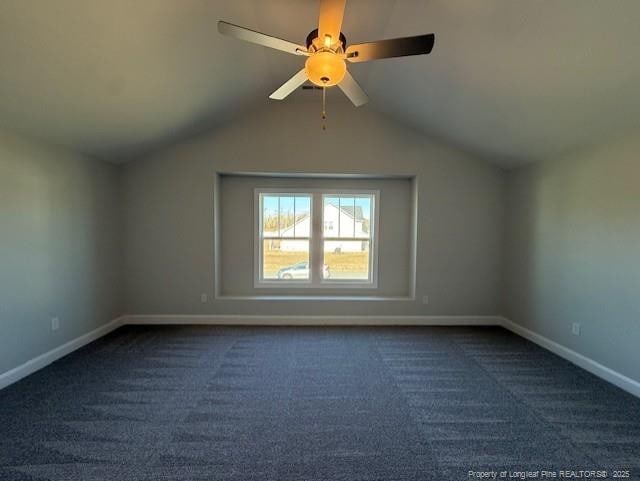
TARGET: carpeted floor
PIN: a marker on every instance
(349, 404)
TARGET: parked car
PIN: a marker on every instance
(300, 270)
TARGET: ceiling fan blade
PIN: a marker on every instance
(394, 47)
(331, 13)
(252, 36)
(290, 85)
(353, 91)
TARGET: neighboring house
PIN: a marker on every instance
(351, 224)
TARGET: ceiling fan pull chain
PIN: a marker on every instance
(324, 112)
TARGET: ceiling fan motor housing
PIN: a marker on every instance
(325, 66)
(313, 46)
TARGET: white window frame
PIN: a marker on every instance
(316, 239)
(259, 280)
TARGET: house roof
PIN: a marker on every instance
(349, 210)
(509, 81)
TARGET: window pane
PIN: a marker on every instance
(269, 216)
(285, 259)
(330, 217)
(303, 216)
(287, 216)
(347, 217)
(346, 259)
(363, 217)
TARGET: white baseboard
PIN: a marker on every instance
(289, 320)
(47, 358)
(623, 382)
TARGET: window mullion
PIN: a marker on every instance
(354, 217)
(279, 220)
(339, 216)
(317, 219)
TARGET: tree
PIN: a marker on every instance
(286, 219)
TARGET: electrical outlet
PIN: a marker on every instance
(575, 328)
(203, 298)
(425, 299)
(55, 323)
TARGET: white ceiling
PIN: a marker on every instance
(510, 80)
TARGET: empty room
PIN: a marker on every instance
(319, 240)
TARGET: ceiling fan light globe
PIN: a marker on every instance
(325, 69)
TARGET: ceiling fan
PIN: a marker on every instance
(327, 52)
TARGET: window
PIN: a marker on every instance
(295, 249)
(346, 249)
(285, 232)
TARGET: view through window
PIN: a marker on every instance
(347, 236)
(286, 231)
(292, 248)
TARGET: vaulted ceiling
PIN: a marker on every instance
(509, 80)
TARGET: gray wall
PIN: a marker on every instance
(168, 201)
(573, 252)
(60, 247)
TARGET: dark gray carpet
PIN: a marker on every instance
(225, 403)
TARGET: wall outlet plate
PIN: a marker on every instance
(575, 328)
(55, 323)
(203, 298)
(425, 299)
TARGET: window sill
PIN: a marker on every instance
(310, 285)
(320, 297)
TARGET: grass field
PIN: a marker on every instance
(340, 264)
